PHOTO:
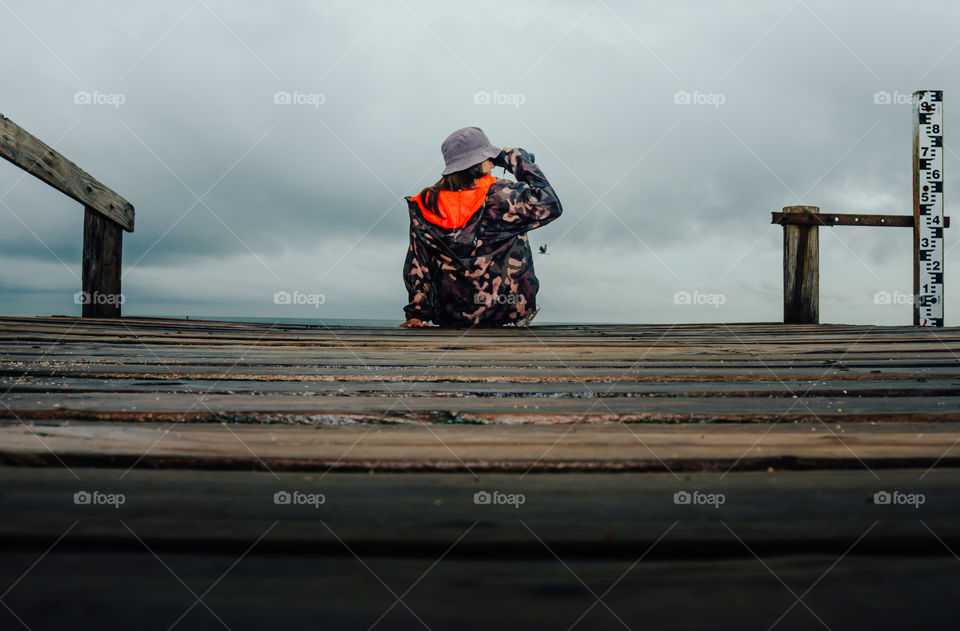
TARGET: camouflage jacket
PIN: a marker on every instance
(480, 274)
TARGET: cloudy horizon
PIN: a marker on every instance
(268, 148)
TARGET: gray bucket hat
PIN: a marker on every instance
(466, 147)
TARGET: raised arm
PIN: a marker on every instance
(529, 203)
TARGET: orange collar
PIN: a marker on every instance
(457, 207)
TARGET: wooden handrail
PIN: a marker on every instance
(106, 215)
(45, 163)
(834, 219)
(801, 254)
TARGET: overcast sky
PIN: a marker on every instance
(239, 196)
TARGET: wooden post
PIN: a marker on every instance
(102, 255)
(106, 215)
(801, 270)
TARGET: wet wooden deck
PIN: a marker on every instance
(198, 424)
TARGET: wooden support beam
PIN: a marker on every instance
(43, 162)
(801, 269)
(102, 255)
(835, 219)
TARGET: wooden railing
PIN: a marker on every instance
(106, 215)
(801, 254)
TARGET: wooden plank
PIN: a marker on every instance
(458, 373)
(708, 335)
(595, 334)
(698, 330)
(102, 257)
(768, 388)
(268, 340)
(839, 219)
(45, 163)
(582, 447)
(474, 594)
(870, 339)
(556, 367)
(297, 359)
(424, 530)
(719, 356)
(609, 514)
(397, 407)
(719, 351)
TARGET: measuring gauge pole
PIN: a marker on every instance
(928, 208)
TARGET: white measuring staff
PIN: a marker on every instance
(928, 207)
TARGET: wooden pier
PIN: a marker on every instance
(201, 474)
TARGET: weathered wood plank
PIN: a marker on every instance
(558, 389)
(135, 406)
(606, 529)
(372, 373)
(45, 163)
(584, 446)
(840, 219)
(612, 514)
(111, 588)
(699, 331)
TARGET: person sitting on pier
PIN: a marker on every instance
(469, 261)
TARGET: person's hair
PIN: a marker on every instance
(458, 181)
